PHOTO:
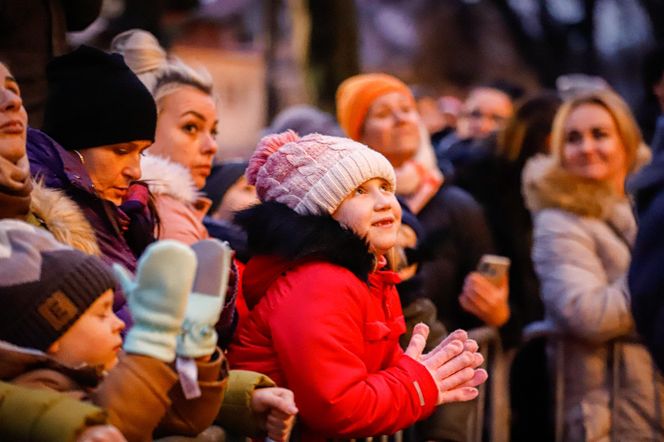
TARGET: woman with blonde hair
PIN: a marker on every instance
(583, 234)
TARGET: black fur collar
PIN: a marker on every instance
(275, 229)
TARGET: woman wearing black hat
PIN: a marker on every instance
(98, 120)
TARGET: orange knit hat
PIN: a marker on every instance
(356, 95)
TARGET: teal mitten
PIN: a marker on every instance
(198, 336)
(157, 298)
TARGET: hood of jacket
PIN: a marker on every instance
(547, 185)
(279, 239)
(19, 362)
(166, 177)
(63, 218)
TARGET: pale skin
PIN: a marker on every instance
(187, 131)
(112, 169)
(14, 168)
(484, 111)
(373, 212)
(391, 128)
(238, 197)
(276, 407)
(485, 300)
(97, 324)
(593, 148)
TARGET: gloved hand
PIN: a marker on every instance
(157, 298)
(198, 336)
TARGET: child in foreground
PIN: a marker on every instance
(325, 316)
(59, 331)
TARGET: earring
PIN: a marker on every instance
(80, 157)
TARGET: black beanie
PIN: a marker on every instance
(44, 286)
(221, 178)
(94, 100)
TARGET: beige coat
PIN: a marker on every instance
(581, 251)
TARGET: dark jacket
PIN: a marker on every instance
(32, 32)
(456, 236)
(646, 279)
(325, 325)
(117, 234)
(495, 184)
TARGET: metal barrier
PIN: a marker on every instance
(497, 363)
(544, 329)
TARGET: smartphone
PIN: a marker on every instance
(494, 268)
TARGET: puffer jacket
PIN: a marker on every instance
(140, 394)
(583, 233)
(325, 325)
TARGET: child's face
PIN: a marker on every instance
(373, 212)
(94, 339)
(238, 197)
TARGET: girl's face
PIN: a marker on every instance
(373, 212)
(113, 168)
(94, 339)
(187, 131)
(592, 146)
(239, 196)
(392, 128)
(13, 118)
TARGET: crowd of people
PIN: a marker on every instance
(328, 286)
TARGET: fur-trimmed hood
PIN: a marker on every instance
(277, 230)
(63, 218)
(547, 185)
(165, 177)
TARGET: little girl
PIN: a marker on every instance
(325, 316)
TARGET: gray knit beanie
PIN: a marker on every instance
(44, 285)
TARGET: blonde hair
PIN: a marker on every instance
(628, 130)
(160, 73)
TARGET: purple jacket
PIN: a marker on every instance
(121, 238)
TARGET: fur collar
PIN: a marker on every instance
(165, 177)
(63, 218)
(275, 229)
(547, 185)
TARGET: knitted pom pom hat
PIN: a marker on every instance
(315, 173)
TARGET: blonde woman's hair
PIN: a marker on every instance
(160, 73)
(628, 130)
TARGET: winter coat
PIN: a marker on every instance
(52, 210)
(495, 183)
(140, 394)
(581, 250)
(180, 205)
(120, 239)
(181, 209)
(646, 279)
(456, 236)
(29, 414)
(325, 325)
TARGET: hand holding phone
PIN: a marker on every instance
(494, 268)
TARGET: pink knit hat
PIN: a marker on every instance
(315, 173)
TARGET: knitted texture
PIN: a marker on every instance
(44, 286)
(315, 173)
(198, 336)
(356, 95)
(95, 100)
(157, 298)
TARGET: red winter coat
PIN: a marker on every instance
(319, 329)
